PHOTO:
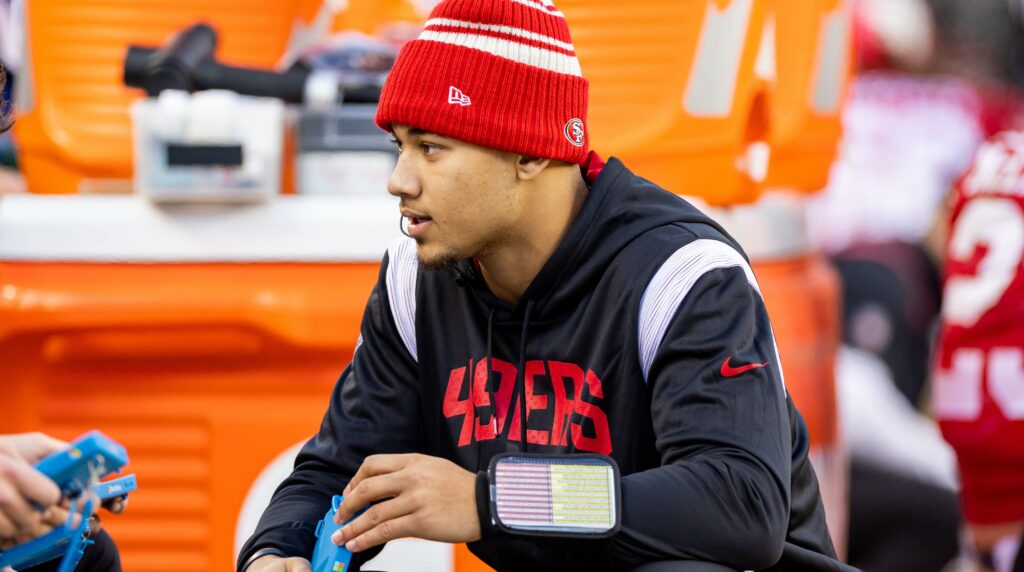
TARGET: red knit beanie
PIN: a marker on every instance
(501, 74)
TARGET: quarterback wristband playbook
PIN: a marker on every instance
(550, 495)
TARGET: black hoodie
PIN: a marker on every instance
(643, 337)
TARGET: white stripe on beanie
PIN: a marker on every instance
(510, 50)
(507, 30)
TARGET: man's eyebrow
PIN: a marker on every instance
(414, 132)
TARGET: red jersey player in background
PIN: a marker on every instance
(979, 378)
(978, 382)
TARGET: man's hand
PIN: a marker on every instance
(278, 564)
(428, 497)
(21, 486)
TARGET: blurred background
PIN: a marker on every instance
(193, 209)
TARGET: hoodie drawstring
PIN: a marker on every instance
(490, 388)
(519, 386)
(520, 371)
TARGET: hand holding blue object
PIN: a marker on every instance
(68, 541)
(75, 470)
(328, 556)
(89, 458)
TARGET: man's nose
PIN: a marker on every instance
(404, 180)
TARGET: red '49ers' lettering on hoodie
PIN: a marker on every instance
(570, 391)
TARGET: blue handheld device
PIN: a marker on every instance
(328, 556)
(89, 458)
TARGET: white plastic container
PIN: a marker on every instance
(209, 147)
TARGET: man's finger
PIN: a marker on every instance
(7, 527)
(116, 505)
(373, 517)
(55, 516)
(367, 491)
(28, 483)
(384, 532)
(17, 509)
(34, 446)
(377, 465)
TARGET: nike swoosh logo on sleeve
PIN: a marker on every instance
(730, 371)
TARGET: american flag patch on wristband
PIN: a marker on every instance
(555, 495)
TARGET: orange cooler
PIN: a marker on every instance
(205, 368)
(204, 372)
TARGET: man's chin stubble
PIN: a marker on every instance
(441, 263)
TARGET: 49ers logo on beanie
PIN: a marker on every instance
(515, 58)
(575, 132)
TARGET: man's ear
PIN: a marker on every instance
(529, 167)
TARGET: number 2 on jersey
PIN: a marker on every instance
(997, 225)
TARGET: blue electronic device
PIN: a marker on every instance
(75, 470)
(89, 458)
(328, 556)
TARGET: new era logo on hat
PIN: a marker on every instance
(511, 74)
(456, 97)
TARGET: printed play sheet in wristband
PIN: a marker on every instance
(555, 495)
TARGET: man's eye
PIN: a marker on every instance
(397, 143)
(429, 149)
